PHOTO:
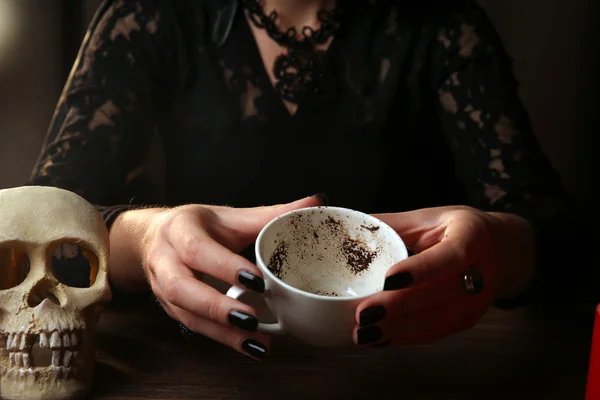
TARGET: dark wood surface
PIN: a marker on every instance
(509, 355)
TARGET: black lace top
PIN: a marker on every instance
(421, 110)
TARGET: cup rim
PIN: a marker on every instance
(263, 268)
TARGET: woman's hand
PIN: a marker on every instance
(424, 297)
(180, 245)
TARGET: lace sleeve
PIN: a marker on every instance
(104, 123)
(498, 158)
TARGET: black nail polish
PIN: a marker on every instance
(400, 280)
(322, 198)
(371, 315)
(369, 334)
(254, 348)
(251, 281)
(188, 334)
(382, 344)
(243, 321)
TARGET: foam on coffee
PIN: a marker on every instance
(329, 254)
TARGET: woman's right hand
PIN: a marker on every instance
(182, 244)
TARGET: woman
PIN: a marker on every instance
(384, 105)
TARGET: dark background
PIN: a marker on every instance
(555, 44)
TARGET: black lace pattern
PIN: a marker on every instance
(301, 72)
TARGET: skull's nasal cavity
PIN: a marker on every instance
(41, 291)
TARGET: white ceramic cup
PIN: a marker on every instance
(319, 264)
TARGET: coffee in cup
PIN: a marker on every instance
(327, 254)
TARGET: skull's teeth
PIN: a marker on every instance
(55, 342)
(56, 358)
(43, 340)
(59, 340)
(60, 358)
(26, 341)
(16, 341)
(19, 348)
(13, 341)
(66, 340)
(18, 360)
(67, 358)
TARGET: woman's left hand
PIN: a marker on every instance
(425, 297)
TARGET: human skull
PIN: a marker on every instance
(47, 327)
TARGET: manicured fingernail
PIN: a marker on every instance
(254, 348)
(400, 280)
(322, 198)
(370, 315)
(251, 281)
(243, 321)
(368, 334)
(188, 334)
(382, 344)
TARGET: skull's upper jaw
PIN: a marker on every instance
(53, 355)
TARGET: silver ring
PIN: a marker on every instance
(473, 281)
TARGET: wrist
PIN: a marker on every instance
(136, 225)
(127, 237)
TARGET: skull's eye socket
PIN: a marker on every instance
(74, 266)
(14, 266)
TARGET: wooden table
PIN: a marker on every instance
(509, 355)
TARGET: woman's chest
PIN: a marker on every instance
(230, 124)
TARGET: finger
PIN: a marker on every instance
(162, 262)
(202, 300)
(208, 256)
(160, 298)
(155, 286)
(178, 286)
(425, 325)
(248, 222)
(437, 322)
(419, 229)
(165, 306)
(464, 241)
(255, 345)
(394, 304)
(197, 250)
(443, 261)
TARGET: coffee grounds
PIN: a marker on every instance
(357, 256)
(371, 228)
(329, 294)
(278, 260)
(333, 224)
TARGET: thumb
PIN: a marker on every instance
(414, 227)
(250, 221)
